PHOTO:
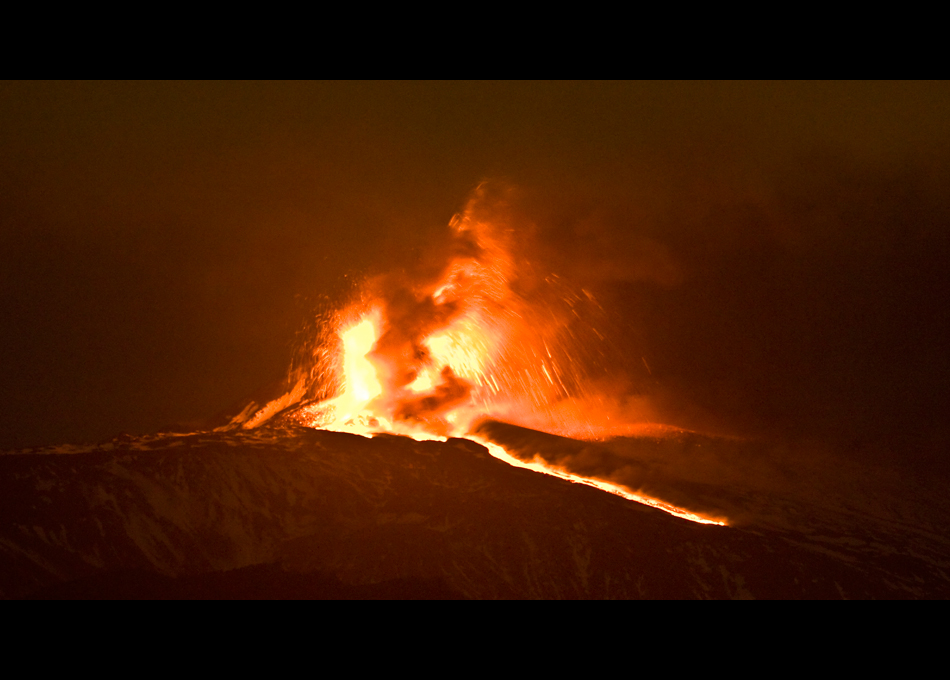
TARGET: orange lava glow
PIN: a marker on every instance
(433, 363)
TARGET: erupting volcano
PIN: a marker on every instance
(369, 476)
(487, 339)
(689, 340)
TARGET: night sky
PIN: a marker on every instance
(776, 254)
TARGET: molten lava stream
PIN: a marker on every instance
(537, 465)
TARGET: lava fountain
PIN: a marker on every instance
(487, 339)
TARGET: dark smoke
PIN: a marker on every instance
(804, 303)
(451, 391)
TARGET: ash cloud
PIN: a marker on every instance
(800, 302)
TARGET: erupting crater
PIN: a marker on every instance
(487, 340)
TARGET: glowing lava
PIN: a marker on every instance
(430, 360)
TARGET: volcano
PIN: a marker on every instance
(284, 511)
(448, 435)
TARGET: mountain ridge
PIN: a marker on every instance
(364, 512)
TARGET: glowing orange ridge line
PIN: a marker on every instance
(537, 466)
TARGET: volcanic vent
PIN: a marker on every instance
(489, 337)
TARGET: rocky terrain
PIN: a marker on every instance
(289, 512)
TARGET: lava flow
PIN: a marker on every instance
(486, 339)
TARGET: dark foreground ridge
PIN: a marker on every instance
(288, 512)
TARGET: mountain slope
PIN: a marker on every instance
(278, 511)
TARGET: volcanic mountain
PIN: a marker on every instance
(285, 511)
(392, 463)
